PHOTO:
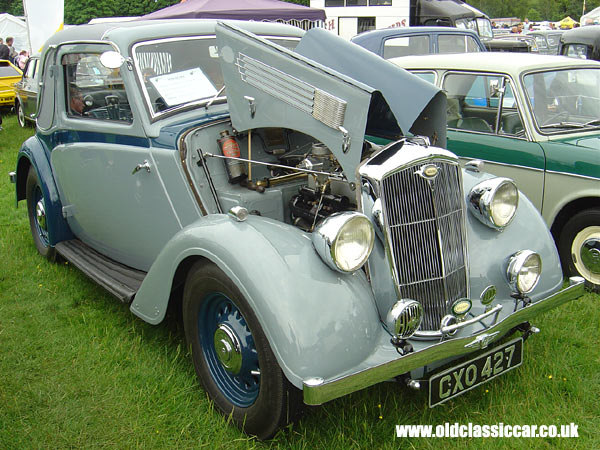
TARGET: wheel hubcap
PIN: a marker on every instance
(40, 213)
(40, 221)
(228, 349)
(585, 253)
(590, 255)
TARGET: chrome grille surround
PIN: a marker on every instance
(424, 228)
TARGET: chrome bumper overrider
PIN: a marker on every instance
(317, 391)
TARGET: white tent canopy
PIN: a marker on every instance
(594, 15)
(10, 26)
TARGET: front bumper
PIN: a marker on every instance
(317, 391)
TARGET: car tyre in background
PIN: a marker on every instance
(36, 210)
(579, 247)
(20, 114)
(232, 357)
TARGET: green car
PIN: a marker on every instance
(535, 119)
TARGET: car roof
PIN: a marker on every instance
(402, 31)
(544, 32)
(590, 35)
(513, 63)
(124, 33)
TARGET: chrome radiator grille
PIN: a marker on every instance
(426, 237)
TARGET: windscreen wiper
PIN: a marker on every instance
(564, 125)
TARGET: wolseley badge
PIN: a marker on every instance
(428, 171)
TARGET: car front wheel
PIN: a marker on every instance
(579, 247)
(232, 357)
(36, 210)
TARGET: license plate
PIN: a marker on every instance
(457, 380)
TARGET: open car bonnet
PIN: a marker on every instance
(328, 88)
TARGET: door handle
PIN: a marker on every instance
(139, 167)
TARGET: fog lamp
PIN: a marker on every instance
(523, 271)
(405, 317)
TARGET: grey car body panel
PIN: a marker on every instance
(314, 318)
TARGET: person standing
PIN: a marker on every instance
(21, 60)
(12, 52)
(4, 51)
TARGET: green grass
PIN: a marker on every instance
(78, 370)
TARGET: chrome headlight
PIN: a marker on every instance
(405, 317)
(523, 271)
(344, 240)
(494, 202)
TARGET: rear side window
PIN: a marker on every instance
(31, 70)
(427, 76)
(6, 70)
(449, 43)
(577, 51)
(405, 46)
(94, 91)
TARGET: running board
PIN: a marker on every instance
(121, 281)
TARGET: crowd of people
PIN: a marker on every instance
(526, 25)
(8, 52)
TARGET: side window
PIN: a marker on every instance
(474, 103)
(93, 91)
(31, 69)
(448, 43)
(427, 76)
(510, 121)
(577, 51)
(404, 46)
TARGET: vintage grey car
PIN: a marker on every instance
(224, 172)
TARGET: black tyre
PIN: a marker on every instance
(232, 357)
(36, 210)
(579, 247)
(20, 114)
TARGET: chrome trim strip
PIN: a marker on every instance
(319, 393)
(487, 161)
(568, 174)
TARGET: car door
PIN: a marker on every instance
(485, 122)
(107, 173)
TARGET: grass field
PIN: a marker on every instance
(78, 370)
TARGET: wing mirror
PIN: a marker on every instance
(112, 59)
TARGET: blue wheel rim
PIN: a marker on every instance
(218, 311)
(41, 231)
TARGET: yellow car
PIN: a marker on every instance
(9, 75)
